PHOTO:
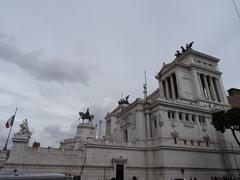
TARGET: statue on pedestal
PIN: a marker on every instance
(24, 130)
(86, 115)
(123, 101)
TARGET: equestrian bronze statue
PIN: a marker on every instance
(86, 115)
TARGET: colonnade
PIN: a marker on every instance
(170, 88)
(210, 87)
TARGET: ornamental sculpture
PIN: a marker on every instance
(123, 101)
(188, 46)
(86, 115)
(24, 130)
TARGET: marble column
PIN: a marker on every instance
(207, 87)
(213, 89)
(148, 133)
(218, 90)
(167, 89)
(161, 90)
(183, 116)
(172, 87)
(224, 97)
(201, 86)
(195, 80)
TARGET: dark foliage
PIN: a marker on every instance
(223, 120)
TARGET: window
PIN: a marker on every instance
(185, 142)
(155, 123)
(180, 115)
(187, 117)
(199, 143)
(201, 120)
(192, 143)
(193, 117)
(171, 114)
(207, 142)
(126, 135)
(175, 140)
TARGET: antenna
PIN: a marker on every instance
(145, 77)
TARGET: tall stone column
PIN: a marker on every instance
(161, 90)
(148, 128)
(219, 90)
(201, 86)
(224, 97)
(196, 84)
(172, 87)
(167, 89)
(213, 89)
(183, 116)
(179, 84)
(207, 87)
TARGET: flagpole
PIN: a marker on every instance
(5, 147)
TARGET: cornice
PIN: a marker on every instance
(178, 60)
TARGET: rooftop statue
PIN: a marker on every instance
(188, 46)
(123, 101)
(86, 115)
(24, 130)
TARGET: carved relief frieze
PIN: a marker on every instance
(173, 124)
(206, 137)
(119, 160)
(189, 124)
(160, 120)
(125, 123)
(174, 134)
(156, 116)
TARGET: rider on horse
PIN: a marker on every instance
(86, 115)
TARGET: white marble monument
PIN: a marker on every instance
(166, 135)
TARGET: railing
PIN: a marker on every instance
(113, 142)
(52, 150)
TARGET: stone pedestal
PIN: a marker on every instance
(85, 131)
(18, 148)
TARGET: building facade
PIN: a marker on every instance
(166, 135)
(234, 97)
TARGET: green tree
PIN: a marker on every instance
(223, 120)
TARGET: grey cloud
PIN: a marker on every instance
(43, 68)
(56, 134)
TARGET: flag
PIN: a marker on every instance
(10, 121)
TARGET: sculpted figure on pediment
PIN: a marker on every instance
(24, 130)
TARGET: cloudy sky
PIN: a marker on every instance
(59, 57)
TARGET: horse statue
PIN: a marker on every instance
(86, 115)
(123, 101)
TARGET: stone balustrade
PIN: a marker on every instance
(114, 142)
